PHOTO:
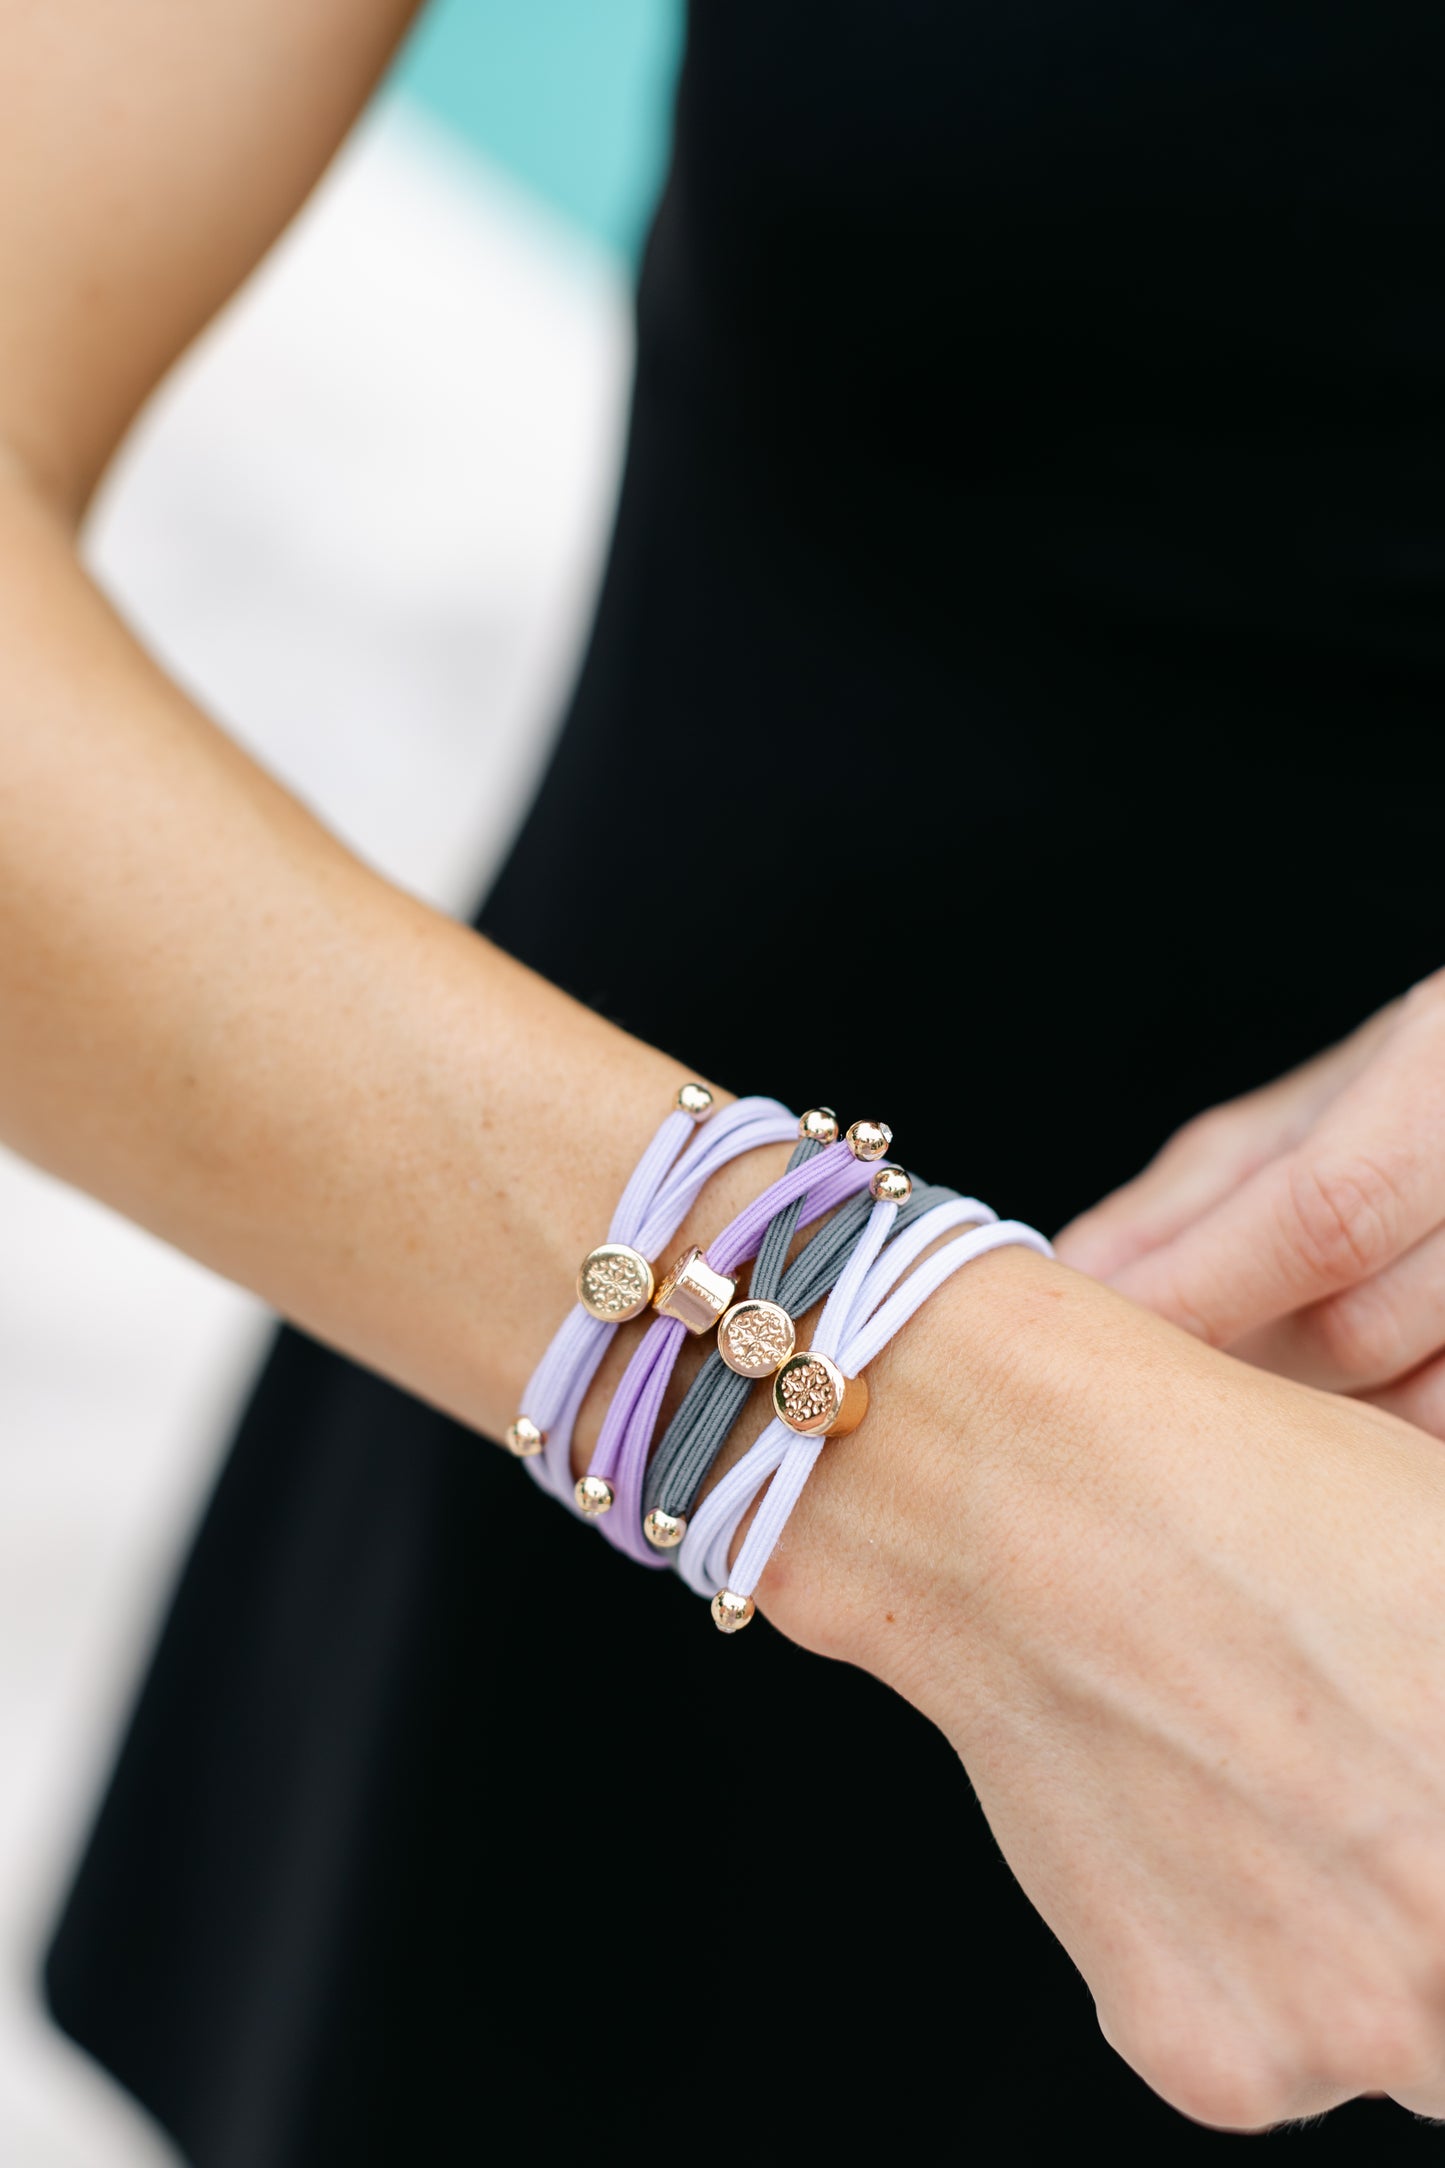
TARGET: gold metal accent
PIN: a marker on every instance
(819, 1125)
(523, 1437)
(890, 1185)
(614, 1283)
(731, 1612)
(756, 1338)
(869, 1140)
(812, 1396)
(593, 1494)
(696, 1100)
(693, 1293)
(664, 1531)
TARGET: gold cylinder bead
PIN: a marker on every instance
(524, 1438)
(614, 1283)
(890, 1185)
(593, 1495)
(696, 1100)
(731, 1612)
(869, 1140)
(664, 1531)
(693, 1292)
(812, 1396)
(819, 1126)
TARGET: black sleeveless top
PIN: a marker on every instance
(1038, 448)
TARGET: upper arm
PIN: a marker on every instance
(150, 150)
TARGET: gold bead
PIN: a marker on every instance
(890, 1185)
(696, 1100)
(869, 1140)
(754, 1338)
(731, 1612)
(819, 1126)
(523, 1437)
(614, 1283)
(693, 1293)
(593, 1495)
(812, 1396)
(664, 1531)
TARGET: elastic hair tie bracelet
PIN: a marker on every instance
(692, 1297)
(755, 1339)
(615, 1280)
(863, 1314)
(819, 1126)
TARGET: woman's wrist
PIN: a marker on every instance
(894, 1543)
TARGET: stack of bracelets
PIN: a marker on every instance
(877, 1223)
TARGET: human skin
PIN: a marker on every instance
(1303, 1225)
(1184, 1621)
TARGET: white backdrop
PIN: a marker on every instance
(364, 523)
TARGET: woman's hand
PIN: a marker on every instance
(1185, 1622)
(1304, 1225)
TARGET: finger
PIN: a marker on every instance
(1366, 1336)
(1364, 1187)
(1418, 1399)
(1200, 1164)
(1211, 1155)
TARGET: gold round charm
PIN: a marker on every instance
(869, 1140)
(593, 1494)
(696, 1100)
(523, 1437)
(812, 1396)
(664, 1531)
(614, 1283)
(755, 1338)
(731, 1612)
(890, 1185)
(819, 1126)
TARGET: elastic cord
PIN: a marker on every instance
(621, 1453)
(717, 1395)
(864, 1318)
(658, 1197)
(714, 1524)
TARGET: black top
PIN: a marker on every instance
(1039, 456)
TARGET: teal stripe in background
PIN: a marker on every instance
(572, 97)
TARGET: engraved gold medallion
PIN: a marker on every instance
(614, 1283)
(755, 1338)
(812, 1396)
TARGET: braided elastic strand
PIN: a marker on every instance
(657, 1198)
(622, 1448)
(857, 1352)
(718, 1395)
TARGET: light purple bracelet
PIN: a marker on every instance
(612, 1488)
(865, 1310)
(658, 1197)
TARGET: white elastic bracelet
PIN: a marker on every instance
(861, 1317)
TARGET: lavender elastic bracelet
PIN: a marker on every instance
(700, 1287)
(719, 1392)
(862, 1316)
(658, 1197)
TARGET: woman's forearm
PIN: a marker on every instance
(221, 1022)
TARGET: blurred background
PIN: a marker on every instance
(364, 522)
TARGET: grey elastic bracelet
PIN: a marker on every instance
(715, 1399)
